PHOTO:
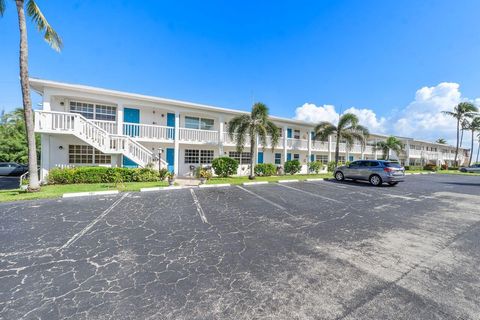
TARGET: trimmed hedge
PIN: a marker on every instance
(292, 166)
(315, 166)
(225, 166)
(265, 169)
(101, 175)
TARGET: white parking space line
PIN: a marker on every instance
(199, 207)
(87, 228)
(335, 186)
(262, 198)
(310, 193)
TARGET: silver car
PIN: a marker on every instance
(375, 171)
(474, 168)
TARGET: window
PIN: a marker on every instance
(242, 158)
(105, 112)
(371, 163)
(199, 123)
(193, 156)
(296, 134)
(206, 156)
(341, 159)
(94, 111)
(82, 154)
(278, 158)
(296, 156)
(322, 158)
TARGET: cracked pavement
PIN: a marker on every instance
(308, 250)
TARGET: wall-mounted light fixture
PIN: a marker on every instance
(60, 147)
(163, 115)
(62, 103)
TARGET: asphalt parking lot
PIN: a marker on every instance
(307, 250)
(7, 183)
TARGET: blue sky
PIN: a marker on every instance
(370, 55)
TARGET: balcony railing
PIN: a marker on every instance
(149, 132)
(198, 136)
(108, 126)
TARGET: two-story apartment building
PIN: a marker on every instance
(82, 125)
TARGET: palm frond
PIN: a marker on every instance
(323, 130)
(50, 35)
(259, 112)
(274, 132)
(2, 7)
(349, 139)
(347, 120)
(241, 135)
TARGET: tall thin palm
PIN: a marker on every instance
(460, 112)
(391, 144)
(348, 129)
(478, 147)
(255, 125)
(52, 38)
(441, 141)
(474, 127)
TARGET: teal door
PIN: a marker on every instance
(312, 158)
(131, 116)
(289, 156)
(171, 124)
(260, 157)
(170, 158)
(289, 133)
(127, 163)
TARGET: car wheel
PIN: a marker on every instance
(392, 183)
(375, 180)
(339, 176)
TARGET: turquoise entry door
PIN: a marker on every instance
(289, 156)
(312, 158)
(171, 124)
(289, 133)
(131, 116)
(127, 163)
(170, 158)
(260, 157)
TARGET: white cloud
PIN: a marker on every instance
(421, 119)
(312, 113)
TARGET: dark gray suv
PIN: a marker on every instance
(375, 171)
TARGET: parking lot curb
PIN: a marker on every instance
(254, 183)
(90, 193)
(317, 179)
(288, 180)
(161, 188)
(214, 185)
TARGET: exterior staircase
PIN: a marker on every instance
(87, 131)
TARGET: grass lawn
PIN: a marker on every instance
(242, 179)
(55, 191)
(458, 172)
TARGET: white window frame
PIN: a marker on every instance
(95, 106)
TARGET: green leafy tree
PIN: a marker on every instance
(348, 129)
(461, 111)
(52, 38)
(391, 144)
(441, 141)
(252, 126)
(473, 127)
(13, 142)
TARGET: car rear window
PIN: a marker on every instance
(392, 164)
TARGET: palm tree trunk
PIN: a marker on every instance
(33, 184)
(471, 149)
(337, 150)
(478, 150)
(461, 138)
(458, 139)
(252, 158)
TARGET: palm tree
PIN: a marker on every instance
(474, 127)
(463, 127)
(348, 129)
(256, 124)
(441, 141)
(391, 144)
(478, 147)
(460, 112)
(52, 38)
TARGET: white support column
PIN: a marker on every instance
(120, 119)
(256, 150)
(177, 143)
(220, 136)
(284, 144)
(376, 151)
(45, 157)
(309, 146)
(329, 148)
(407, 161)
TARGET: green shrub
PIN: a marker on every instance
(101, 175)
(225, 166)
(203, 173)
(315, 166)
(265, 169)
(413, 168)
(292, 166)
(331, 166)
(162, 174)
(430, 167)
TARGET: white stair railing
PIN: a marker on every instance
(88, 131)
